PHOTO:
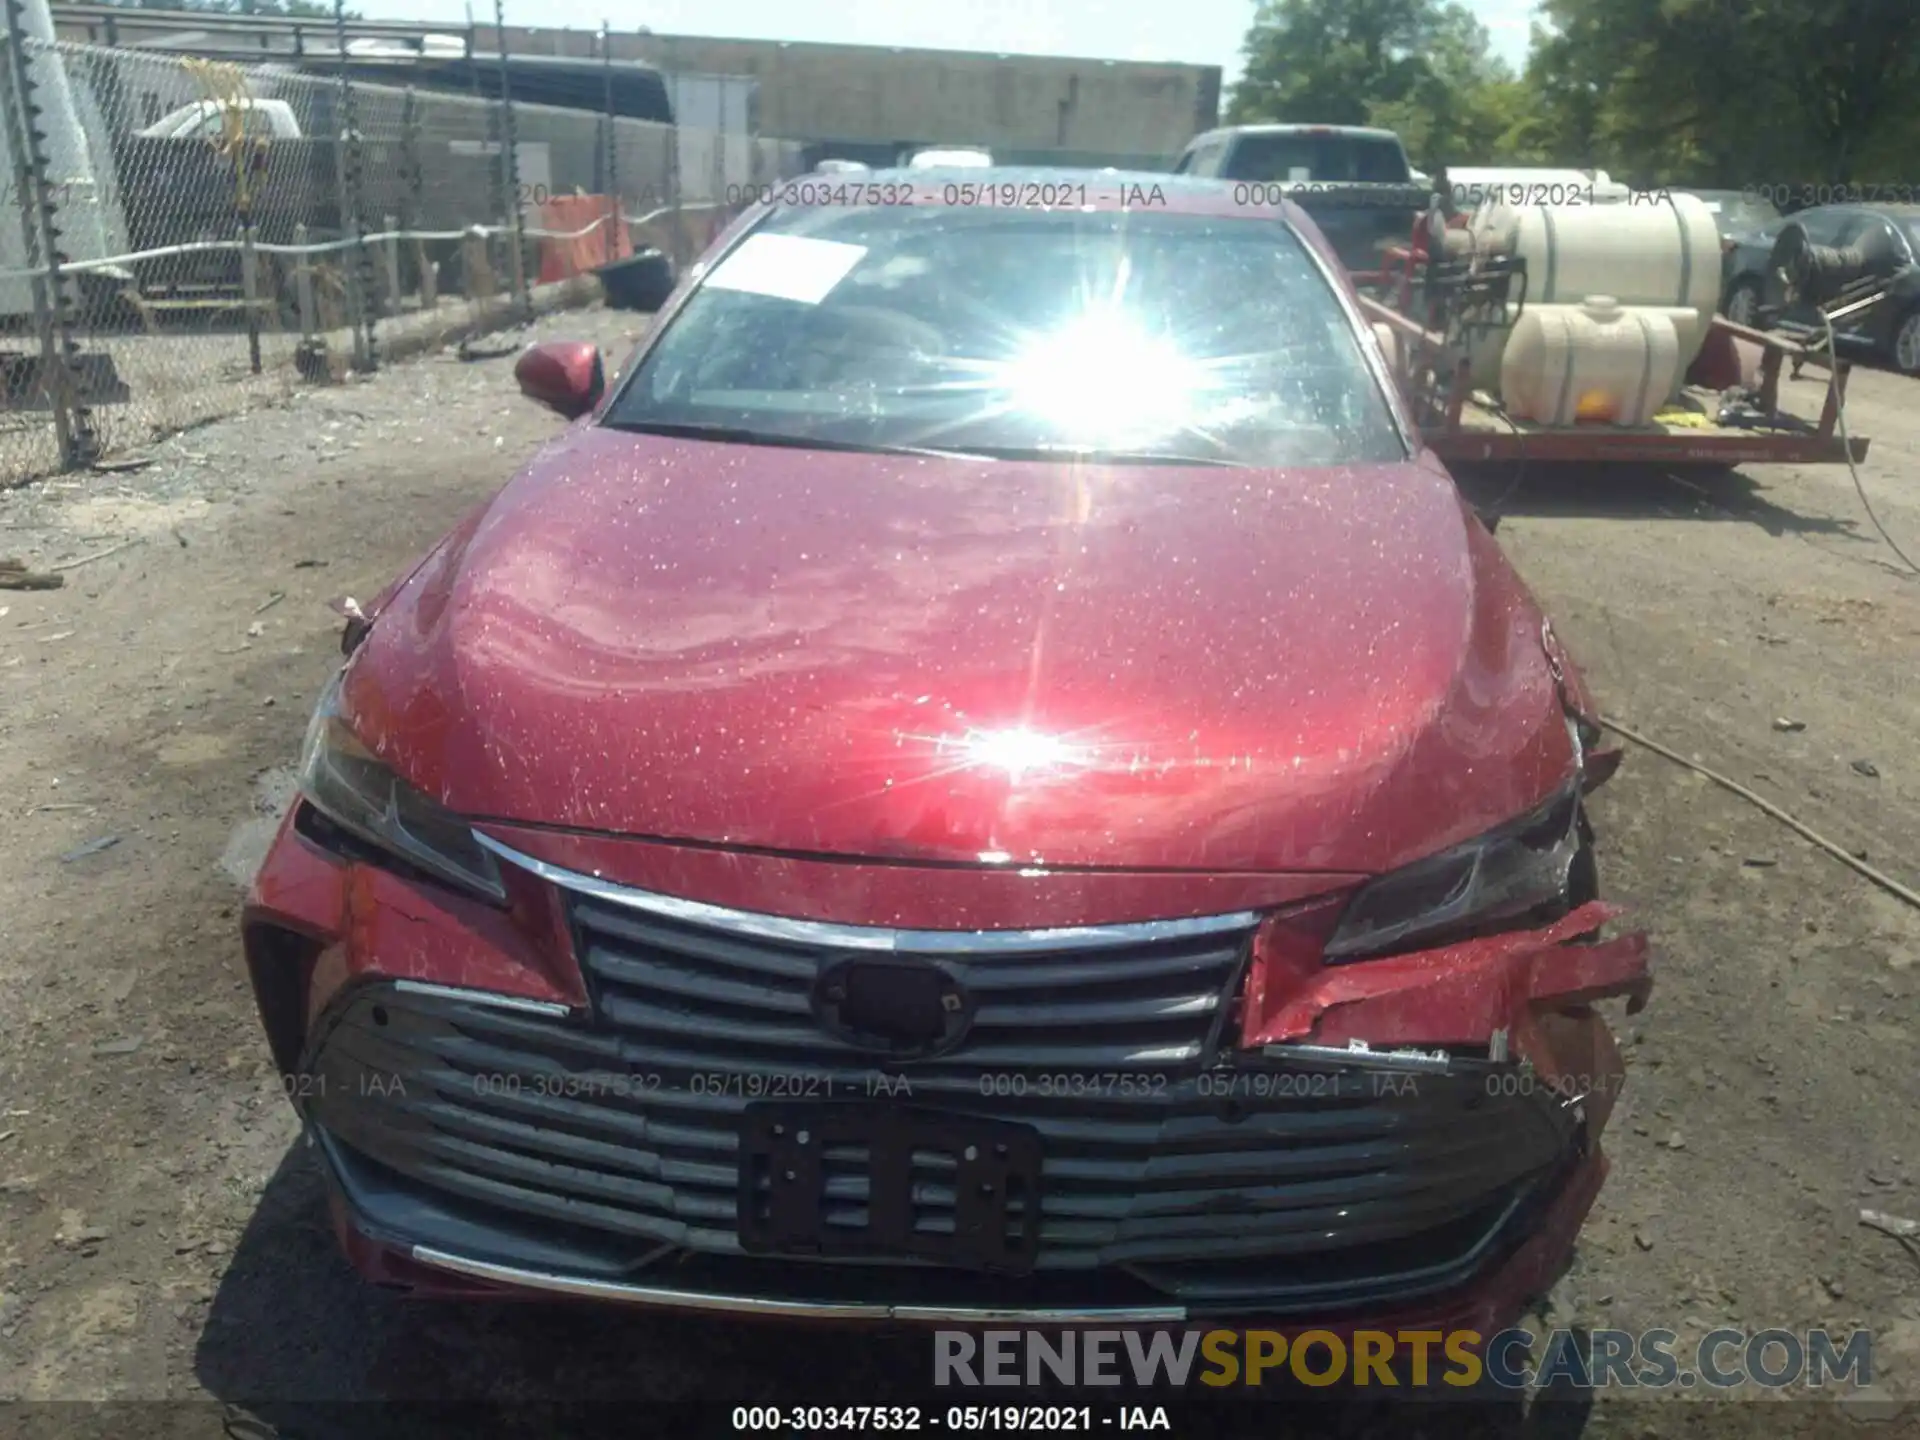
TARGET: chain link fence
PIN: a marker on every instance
(183, 239)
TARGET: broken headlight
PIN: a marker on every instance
(345, 782)
(1522, 869)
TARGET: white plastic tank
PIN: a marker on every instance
(1662, 252)
(1389, 346)
(1477, 185)
(1596, 363)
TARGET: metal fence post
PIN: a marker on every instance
(360, 262)
(611, 181)
(497, 172)
(516, 217)
(390, 249)
(72, 421)
(250, 291)
(414, 209)
(303, 283)
(674, 198)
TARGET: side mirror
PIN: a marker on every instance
(564, 375)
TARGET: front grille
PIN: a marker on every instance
(686, 997)
(621, 1127)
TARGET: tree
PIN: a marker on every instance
(1462, 101)
(1327, 61)
(1422, 68)
(1659, 92)
(1729, 92)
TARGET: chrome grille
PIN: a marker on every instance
(688, 997)
(621, 1126)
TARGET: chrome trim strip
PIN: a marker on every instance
(797, 1309)
(1362, 1058)
(872, 937)
(483, 997)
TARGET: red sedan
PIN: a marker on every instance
(987, 775)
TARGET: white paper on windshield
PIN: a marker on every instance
(1299, 174)
(1713, 206)
(787, 267)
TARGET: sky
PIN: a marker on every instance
(1197, 32)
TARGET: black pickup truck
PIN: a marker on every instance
(1355, 182)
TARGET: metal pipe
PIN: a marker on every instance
(509, 150)
(348, 165)
(610, 184)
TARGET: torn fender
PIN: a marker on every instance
(1460, 995)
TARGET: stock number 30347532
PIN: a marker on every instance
(956, 1418)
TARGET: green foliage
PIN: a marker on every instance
(1700, 92)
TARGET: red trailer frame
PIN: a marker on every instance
(1437, 383)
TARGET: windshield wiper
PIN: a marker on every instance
(741, 435)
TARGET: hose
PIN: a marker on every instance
(1884, 881)
(1846, 440)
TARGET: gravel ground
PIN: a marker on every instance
(161, 1236)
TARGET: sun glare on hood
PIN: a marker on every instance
(1018, 753)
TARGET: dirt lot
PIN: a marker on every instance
(161, 1236)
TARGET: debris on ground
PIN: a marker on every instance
(1899, 1227)
(92, 847)
(97, 555)
(14, 575)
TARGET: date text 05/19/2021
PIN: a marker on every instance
(953, 1419)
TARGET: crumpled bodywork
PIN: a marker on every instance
(1526, 993)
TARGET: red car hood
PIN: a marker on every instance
(932, 659)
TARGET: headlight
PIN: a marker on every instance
(1524, 866)
(345, 782)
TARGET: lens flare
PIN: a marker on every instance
(1100, 378)
(1018, 752)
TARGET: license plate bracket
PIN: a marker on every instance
(991, 1167)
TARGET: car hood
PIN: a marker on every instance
(938, 659)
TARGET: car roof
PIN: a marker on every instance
(1089, 189)
(1339, 132)
(1359, 132)
(1904, 213)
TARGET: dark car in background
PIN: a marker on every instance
(1738, 213)
(1891, 330)
(1353, 180)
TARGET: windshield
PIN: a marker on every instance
(1328, 159)
(1737, 213)
(1017, 332)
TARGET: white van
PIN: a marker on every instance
(950, 160)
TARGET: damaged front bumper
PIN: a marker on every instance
(550, 1101)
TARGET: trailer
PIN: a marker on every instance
(1447, 304)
